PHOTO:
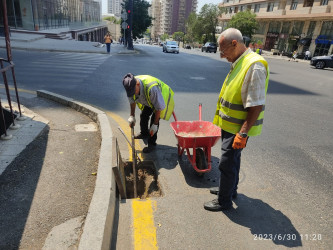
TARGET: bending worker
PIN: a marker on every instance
(239, 113)
(154, 98)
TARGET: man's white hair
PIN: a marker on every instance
(231, 34)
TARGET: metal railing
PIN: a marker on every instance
(8, 65)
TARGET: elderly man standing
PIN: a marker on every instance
(154, 98)
(239, 113)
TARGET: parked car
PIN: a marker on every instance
(209, 47)
(171, 46)
(321, 62)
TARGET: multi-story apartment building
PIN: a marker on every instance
(288, 25)
(114, 7)
(43, 15)
(156, 23)
(170, 15)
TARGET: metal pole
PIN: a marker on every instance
(130, 22)
(134, 163)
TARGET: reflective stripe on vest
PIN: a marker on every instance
(166, 91)
(230, 113)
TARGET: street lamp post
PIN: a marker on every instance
(130, 22)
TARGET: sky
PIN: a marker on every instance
(200, 4)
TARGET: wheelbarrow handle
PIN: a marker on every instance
(174, 115)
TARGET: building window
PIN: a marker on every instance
(308, 3)
(241, 8)
(236, 9)
(230, 10)
(256, 8)
(327, 29)
(249, 7)
(270, 7)
(274, 27)
(262, 28)
(311, 29)
(324, 2)
(285, 27)
(297, 28)
(294, 4)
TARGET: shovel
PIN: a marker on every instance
(134, 157)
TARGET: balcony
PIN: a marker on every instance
(321, 9)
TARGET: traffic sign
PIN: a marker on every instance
(124, 25)
(124, 16)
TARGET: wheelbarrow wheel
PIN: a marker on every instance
(200, 161)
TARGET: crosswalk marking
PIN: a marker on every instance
(64, 67)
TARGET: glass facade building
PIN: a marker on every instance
(51, 14)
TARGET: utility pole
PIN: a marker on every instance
(130, 23)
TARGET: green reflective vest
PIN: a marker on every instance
(230, 113)
(167, 93)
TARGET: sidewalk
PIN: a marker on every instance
(37, 42)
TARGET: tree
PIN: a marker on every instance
(207, 22)
(178, 36)
(141, 19)
(245, 22)
(189, 28)
(164, 37)
(112, 19)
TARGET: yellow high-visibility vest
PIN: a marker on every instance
(230, 113)
(167, 93)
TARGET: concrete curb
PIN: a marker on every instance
(97, 230)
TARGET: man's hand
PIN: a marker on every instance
(131, 121)
(153, 130)
(239, 142)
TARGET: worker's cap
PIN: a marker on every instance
(129, 83)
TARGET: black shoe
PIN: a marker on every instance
(215, 190)
(141, 136)
(148, 149)
(215, 206)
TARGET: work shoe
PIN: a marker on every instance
(215, 190)
(215, 206)
(148, 149)
(141, 136)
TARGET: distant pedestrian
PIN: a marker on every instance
(108, 41)
(307, 55)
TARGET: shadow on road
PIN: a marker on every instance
(18, 184)
(264, 222)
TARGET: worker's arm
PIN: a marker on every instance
(132, 105)
(157, 117)
(252, 115)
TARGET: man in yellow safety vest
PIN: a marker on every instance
(154, 98)
(239, 113)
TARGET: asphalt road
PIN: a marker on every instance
(286, 177)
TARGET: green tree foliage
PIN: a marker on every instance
(164, 37)
(112, 19)
(207, 22)
(141, 19)
(178, 36)
(190, 22)
(244, 21)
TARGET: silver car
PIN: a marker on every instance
(171, 46)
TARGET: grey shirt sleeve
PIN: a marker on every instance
(156, 98)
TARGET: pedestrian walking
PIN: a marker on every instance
(307, 55)
(239, 113)
(108, 41)
(154, 98)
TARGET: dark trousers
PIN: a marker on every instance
(108, 46)
(229, 167)
(147, 113)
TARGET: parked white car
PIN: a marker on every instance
(171, 46)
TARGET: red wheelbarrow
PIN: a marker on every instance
(199, 136)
